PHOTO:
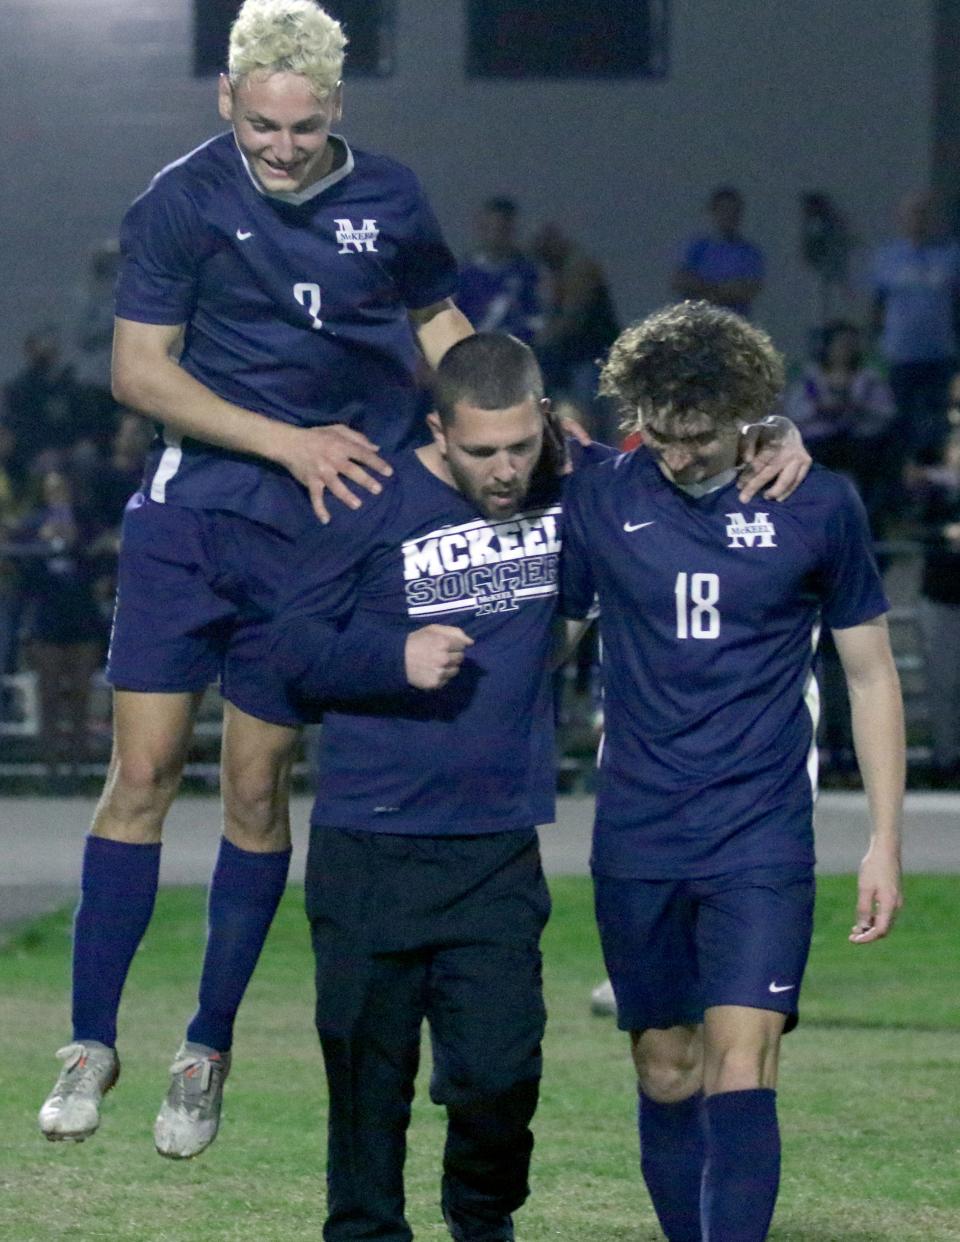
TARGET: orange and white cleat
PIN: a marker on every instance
(190, 1115)
(71, 1112)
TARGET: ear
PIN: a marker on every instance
(336, 105)
(436, 428)
(225, 98)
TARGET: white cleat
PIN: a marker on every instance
(71, 1112)
(602, 1000)
(190, 1115)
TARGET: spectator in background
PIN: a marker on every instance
(844, 410)
(916, 291)
(92, 341)
(937, 488)
(104, 485)
(499, 286)
(580, 325)
(103, 494)
(66, 629)
(12, 496)
(40, 403)
(721, 266)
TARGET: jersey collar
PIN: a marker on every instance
(706, 486)
(318, 187)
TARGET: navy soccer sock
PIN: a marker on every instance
(672, 1150)
(244, 894)
(742, 1172)
(117, 892)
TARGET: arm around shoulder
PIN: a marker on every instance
(438, 327)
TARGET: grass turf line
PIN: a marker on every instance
(869, 1098)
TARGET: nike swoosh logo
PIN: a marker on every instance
(630, 527)
(786, 987)
(242, 236)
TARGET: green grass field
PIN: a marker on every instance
(869, 1098)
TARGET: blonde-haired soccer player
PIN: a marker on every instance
(274, 287)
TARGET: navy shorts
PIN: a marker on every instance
(674, 948)
(196, 591)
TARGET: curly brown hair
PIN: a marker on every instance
(690, 362)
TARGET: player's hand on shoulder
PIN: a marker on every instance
(323, 458)
(773, 454)
(434, 655)
(879, 895)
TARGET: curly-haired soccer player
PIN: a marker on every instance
(703, 843)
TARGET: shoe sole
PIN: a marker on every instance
(175, 1155)
(178, 1155)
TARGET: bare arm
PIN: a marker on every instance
(438, 327)
(147, 378)
(878, 737)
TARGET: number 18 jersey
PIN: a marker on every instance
(709, 612)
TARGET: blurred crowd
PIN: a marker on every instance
(878, 401)
(70, 458)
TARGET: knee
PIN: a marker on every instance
(489, 1111)
(741, 1067)
(668, 1083)
(668, 1074)
(478, 1078)
(255, 808)
(137, 793)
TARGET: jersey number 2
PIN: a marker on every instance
(308, 295)
(696, 596)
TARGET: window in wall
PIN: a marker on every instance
(369, 25)
(567, 38)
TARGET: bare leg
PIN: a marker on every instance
(246, 888)
(120, 874)
(741, 1048)
(742, 1172)
(670, 1120)
(255, 764)
(151, 733)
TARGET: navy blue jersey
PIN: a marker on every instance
(294, 309)
(709, 611)
(474, 756)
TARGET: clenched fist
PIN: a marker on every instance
(433, 655)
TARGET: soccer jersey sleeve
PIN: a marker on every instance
(577, 586)
(324, 650)
(162, 242)
(426, 270)
(852, 587)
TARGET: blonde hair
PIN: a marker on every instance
(287, 36)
